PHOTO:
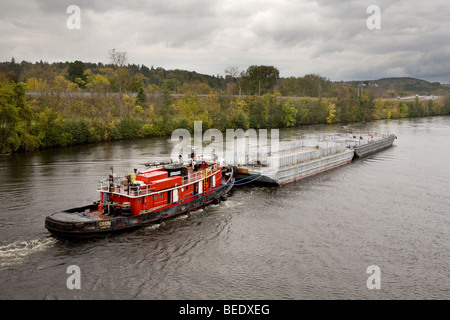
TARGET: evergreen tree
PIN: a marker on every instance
(76, 71)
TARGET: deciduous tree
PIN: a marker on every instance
(119, 59)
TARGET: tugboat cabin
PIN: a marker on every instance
(157, 188)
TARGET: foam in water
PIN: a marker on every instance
(15, 252)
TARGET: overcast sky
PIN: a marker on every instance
(329, 38)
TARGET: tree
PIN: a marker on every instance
(61, 84)
(331, 112)
(315, 85)
(15, 119)
(318, 113)
(239, 119)
(402, 109)
(367, 107)
(119, 59)
(96, 82)
(76, 71)
(289, 114)
(10, 119)
(141, 98)
(446, 106)
(291, 87)
(190, 109)
(258, 114)
(261, 79)
(234, 73)
(36, 85)
(303, 114)
(170, 85)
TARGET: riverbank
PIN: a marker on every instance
(52, 120)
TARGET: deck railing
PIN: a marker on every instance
(119, 184)
(298, 151)
(288, 152)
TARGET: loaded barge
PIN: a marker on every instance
(297, 160)
(300, 159)
(146, 197)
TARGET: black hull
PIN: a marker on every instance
(374, 147)
(69, 224)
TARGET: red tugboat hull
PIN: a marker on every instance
(140, 206)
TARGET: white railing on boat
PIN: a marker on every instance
(286, 153)
(119, 185)
(298, 151)
(357, 139)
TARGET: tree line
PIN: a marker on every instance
(78, 103)
(52, 119)
(118, 75)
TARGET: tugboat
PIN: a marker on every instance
(140, 198)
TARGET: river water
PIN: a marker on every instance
(313, 239)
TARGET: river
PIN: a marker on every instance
(313, 239)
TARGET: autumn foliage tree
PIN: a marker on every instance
(260, 79)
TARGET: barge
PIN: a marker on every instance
(296, 160)
(146, 197)
(366, 144)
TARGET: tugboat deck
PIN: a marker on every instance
(147, 189)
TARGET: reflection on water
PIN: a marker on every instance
(312, 239)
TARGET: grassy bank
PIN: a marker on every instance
(51, 119)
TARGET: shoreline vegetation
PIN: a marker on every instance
(46, 105)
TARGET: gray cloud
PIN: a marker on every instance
(298, 37)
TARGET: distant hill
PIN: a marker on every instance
(401, 86)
